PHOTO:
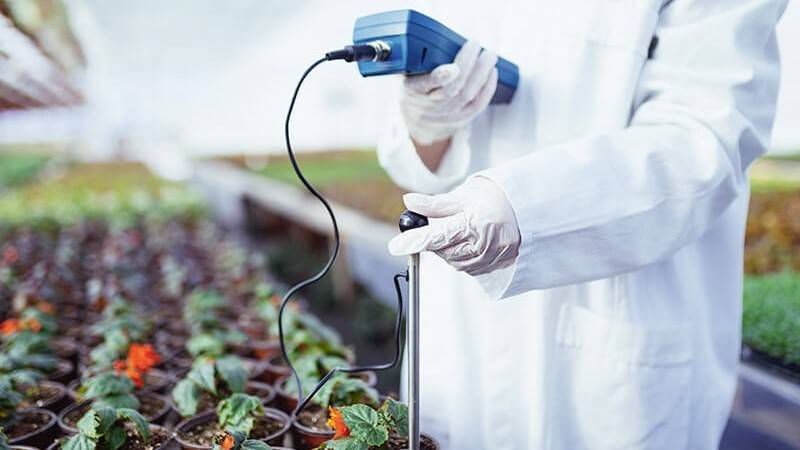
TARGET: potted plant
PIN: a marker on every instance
(28, 427)
(311, 427)
(212, 379)
(117, 389)
(240, 412)
(233, 439)
(112, 429)
(361, 427)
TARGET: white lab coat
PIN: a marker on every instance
(618, 327)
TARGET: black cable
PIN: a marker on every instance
(301, 402)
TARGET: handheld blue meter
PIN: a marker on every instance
(413, 43)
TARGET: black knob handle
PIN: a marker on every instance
(410, 220)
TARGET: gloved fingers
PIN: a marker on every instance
(483, 98)
(434, 206)
(460, 251)
(465, 112)
(479, 76)
(439, 234)
(465, 60)
(424, 84)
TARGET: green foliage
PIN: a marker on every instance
(771, 318)
(340, 390)
(119, 193)
(371, 428)
(109, 390)
(10, 397)
(219, 377)
(26, 349)
(239, 411)
(106, 428)
(240, 441)
(19, 168)
(4, 441)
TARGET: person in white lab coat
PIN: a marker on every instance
(581, 281)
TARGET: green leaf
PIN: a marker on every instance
(186, 396)
(89, 424)
(205, 344)
(252, 444)
(138, 420)
(202, 374)
(79, 442)
(107, 384)
(3, 440)
(345, 444)
(364, 424)
(398, 413)
(107, 418)
(238, 412)
(351, 391)
(232, 372)
(117, 401)
(115, 438)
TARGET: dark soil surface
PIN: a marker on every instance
(316, 419)
(27, 423)
(38, 396)
(150, 406)
(154, 380)
(72, 417)
(401, 443)
(203, 434)
(158, 436)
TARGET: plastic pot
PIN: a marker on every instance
(263, 391)
(211, 416)
(287, 402)
(58, 401)
(66, 348)
(306, 438)
(168, 444)
(42, 436)
(63, 372)
(154, 418)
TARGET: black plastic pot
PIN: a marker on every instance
(168, 444)
(63, 373)
(58, 401)
(43, 436)
(209, 416)
(156, 419)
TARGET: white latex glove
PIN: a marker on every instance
(437, 104)
(472, 227)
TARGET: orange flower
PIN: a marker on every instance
(9, 327)
(33, 324)
(119, 366)
(136, 376)
(46, 308)
(142, 357)
(227, 442)
(336, 421)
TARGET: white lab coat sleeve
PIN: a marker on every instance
(398, 156)
(614, 203)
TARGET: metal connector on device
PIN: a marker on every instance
(382, 50)
(371, 51)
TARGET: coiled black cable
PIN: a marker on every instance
(301, 401)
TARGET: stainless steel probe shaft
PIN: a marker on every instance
(410, 220)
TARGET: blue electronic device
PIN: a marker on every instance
(414, 43)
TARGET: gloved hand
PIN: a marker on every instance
(437, 104)
(472, 227)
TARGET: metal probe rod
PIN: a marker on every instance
(408, 221)
(412, 340)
